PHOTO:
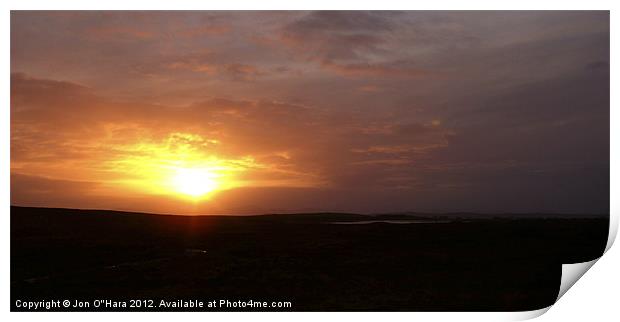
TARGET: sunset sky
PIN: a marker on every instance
(257, 112)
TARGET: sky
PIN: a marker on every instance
(215, 112)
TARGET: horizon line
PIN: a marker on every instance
(555, 214)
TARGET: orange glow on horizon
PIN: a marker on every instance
(182, 166)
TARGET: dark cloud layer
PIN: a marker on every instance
(326, 111)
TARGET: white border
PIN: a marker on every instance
(595, 297)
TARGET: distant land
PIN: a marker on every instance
(417, 214)
(383, 262)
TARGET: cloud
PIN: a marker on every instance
(598, 65)
(28, 92)
(348, 42)
(41, 191)
(366, 70)
(118, 33)
(137, 26)
(206, 30)
(347, 21)
(96, 130)
(243, 72)
(367, 110)
(210, 65)
(335, 35)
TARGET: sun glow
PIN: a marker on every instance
(195, 182)
(185, 166)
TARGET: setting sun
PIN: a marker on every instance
(178, 165)
(195, 182)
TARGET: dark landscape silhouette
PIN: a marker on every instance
(453, 262)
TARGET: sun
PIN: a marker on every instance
(179, 166)
(195, 182)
